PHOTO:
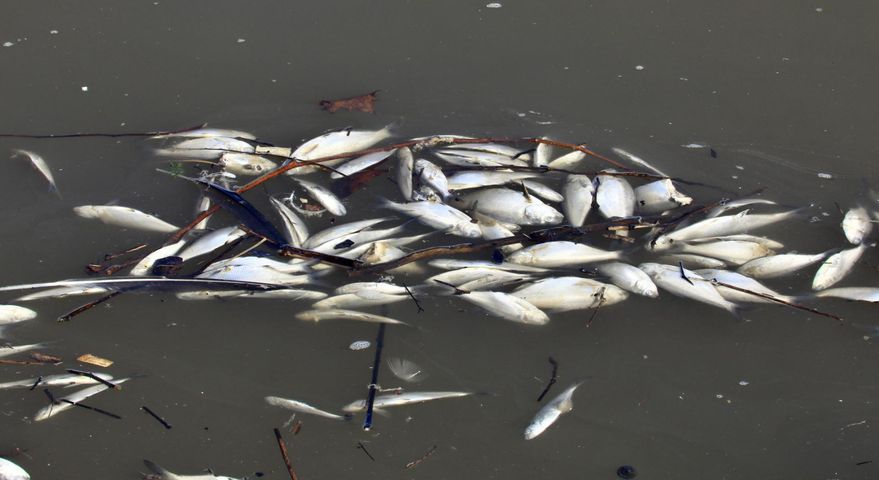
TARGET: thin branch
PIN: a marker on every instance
(714, 281)
(284, 455)
(108, 135)
(552, 379)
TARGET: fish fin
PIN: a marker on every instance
(156, 469)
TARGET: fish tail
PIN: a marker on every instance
(157, 469)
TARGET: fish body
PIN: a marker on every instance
(508, 307)
(637, 160)
(371, 287)
(856, 225)
(542, 154)
(160, 473)
(741, 281)
(360, 163)
(629, 278)
(245, 164)
(7, 350)
(779, 265)
(338, 233)
(860, 294)
(51, 410)
(568, 161)
(659, 196)
(339, 314)
(669, 278)
(295, 229)
(733, 252)
(539, 190)
(614, 197)
(207, 148)
(439, 216)
(10, 314)
(11, 471)
(563, 294)
(720, 226)
(405, 398)
(579, 193)
(561, 254)
(492, 230)
(60, 380)
(125, 217)
(738, 203)
(551, 412)
(837, 266)
(254, 273)
(362, 298)
(455, 263)
(477, 278)
(145, 265)
(279, 294)
(468, 179)
(210, 132)
(510, 206)
(474, 158)
(211, 241)
(432, 176)
(41, 166)
(404, 171)
(324, 197)
(691, 261)
(301, 407)
(336, 143)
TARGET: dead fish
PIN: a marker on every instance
(563, 294)
(659, 196)
(579, 193)
(467, 179)
(561, 254)
(362, 298)
(10, 314)
(337, 314)
(279, 294)
(692, 261)
(210, 132)
(860, 294)
(614, 197)
(779, 265)
(569, 161)
(211, 241)
(694, 287)
(551, 412)
(405, 398)
(51, 410)
(360, 163)
(542, 154)
(473, 158)
(11, 471)
(145, 265)
(742, 237)
(65, 380)
(837, 266)
(455, 263)
(720, 226)
(125, 217)
(405, 370)
(738, 203)
(301, 407)
(324, 196)
(508, 307)
(295, 229)
(432, 176)
(856, 225)
(339, 232)
(160, 473)
(637, 160)
(509, 206)
(733, 252)
(630, 278)
(7, 350)
(41, 166)
(439, 216)
(207, 148)
(245, 164)
(336, 143)
(476, 278)
(492, 230)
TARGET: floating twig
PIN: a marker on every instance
(778, 300)
(88, 306)
(39, 380)
(361, 446)
(417, 303)
(416, 462)
(296, 428)
(111, 256)
(283, 448)
(95, 377)
(109, 135)
(601, 299)
(373, 384)
(156, 416)
(552, 379)
(94, 409)
(52, 399)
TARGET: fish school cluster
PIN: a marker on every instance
(519, 229)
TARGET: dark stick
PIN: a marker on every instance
(156, 416)
(777, 300)
(683, 274)
(417, 304)
(94, 409)
(111, 256)
(414, 463)
(552, 379)
(95, 377)
(110, 135)
(370, 399)
(363, 447)
(52, 399)
(284, 455)
(88, 306)
(39, 380)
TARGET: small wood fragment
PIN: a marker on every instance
(156, 416)
(91, 375)
(94, 360)
(94, 409)
(363, 103)
(41, 357)
(284, 455)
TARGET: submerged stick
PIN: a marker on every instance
(552, 379)
(95, 377)
(361, 446)
(156, 416)
(417, 303)
(284, 455)
(76, 311)
(839, 319)
(373, 385)
(109, 135)
(94, 409)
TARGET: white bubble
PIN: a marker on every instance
(744, 383)
(494, 5)
(85, 88)
(241, 40)
(825, 175)
(639, 67)
(8, 44)
(53, 32)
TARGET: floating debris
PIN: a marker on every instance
(360, 345)
(94, 360)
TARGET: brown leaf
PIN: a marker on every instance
(364, 103)
(40, 357)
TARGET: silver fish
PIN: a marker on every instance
(734, 204)
(614, 198)
(360, 163)
(551, 412)
(439, 216)
(337, 314)
(837, 267)
(542, 154)
(336, 143)
(719, 226)
(211, 241)
(779, 265)
(160, 473)
(362, 298)
(579, 193)
(741, 281)
(405, 398)
(8, 350)
(860, 294)
(539, 190)
(569, 161)
(245, 164)
(404, 172)
(41, 166)
(145, 265)
(659, 196)
(629, 277)
(432, 176)
(10, 314)
(509, 206)
(692, 261)
(337, 233)
(508, 307)
(325, 197)
(11, 471)
(856, 225)
(207, 148)
(295, 229)
(693, 287)
(637, 160)
(301, 407)
(125, 217)
(468, 179)
(561, 254)
(564, 294)
(60, 380)
(733, 252)
(51, 410)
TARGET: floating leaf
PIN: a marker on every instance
(364, 103)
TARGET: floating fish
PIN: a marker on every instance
(551, 412)
(694, 287)
(860, 294)
(508, 307)
(11, 471)
(856, 225)
(160, 473)
(438, 215)
(65, 380)
(405, 398)
(741, 281)
(561, 254)
(579, 193)
(324, 197)
(338, 314)
(360, 163)
(779, 265)
(245, 164)
(659, 196)
(67, 402)
(41, 166)
(125, 217)
(509, 206)
(404, 172)
(563, 294)
(7, 350)
(629, 277)
(614, 197)
(301, 407)
(837, 266)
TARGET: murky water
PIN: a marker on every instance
(783, 91)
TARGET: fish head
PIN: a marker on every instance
(542, 214)
(86, 211)
(245, 164)
(662, 242)
(467, 229)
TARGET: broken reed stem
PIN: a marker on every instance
(373, 384)
(554, 378)
(361, 446)
(716, 282)
(94, 409)
(156, 416)
(108, 135)
(284, 455)
(69, 315)
(95, 377)
(417, 303)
